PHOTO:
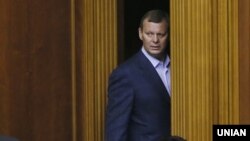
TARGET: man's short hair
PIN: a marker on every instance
(155, 16)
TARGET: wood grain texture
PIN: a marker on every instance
(96, 45)
(204, 56)
(244, 65)
(35, 72)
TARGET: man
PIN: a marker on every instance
(139, 90)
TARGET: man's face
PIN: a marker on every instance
(154, 37)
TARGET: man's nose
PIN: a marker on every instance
(155, 38)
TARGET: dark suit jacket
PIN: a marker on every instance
(138, 103)
(7, 138)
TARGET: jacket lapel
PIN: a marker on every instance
(149, 71)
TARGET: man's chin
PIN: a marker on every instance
(155, 52)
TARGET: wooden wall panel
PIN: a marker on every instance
(96, 55)
(244, 60)
(35, 70)
(204, 56)
(191, 54)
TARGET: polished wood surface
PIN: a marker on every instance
(204, 58)
(35, 70)
(96, 57)
(244, 61)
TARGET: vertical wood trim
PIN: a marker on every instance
(204, 48)
(99, 57)
(234, 62)
(191, 49)
(88, 70)
(228, 94)
(223, 49)
(73, 69)
(214, 61)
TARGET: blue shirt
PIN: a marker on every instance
(162, 68)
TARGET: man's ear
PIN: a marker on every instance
(140, 33)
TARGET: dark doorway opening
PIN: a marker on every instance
(129, 14)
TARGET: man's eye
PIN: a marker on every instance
(149, 34)
(160, 35)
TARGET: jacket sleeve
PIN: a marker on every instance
(119, 107)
